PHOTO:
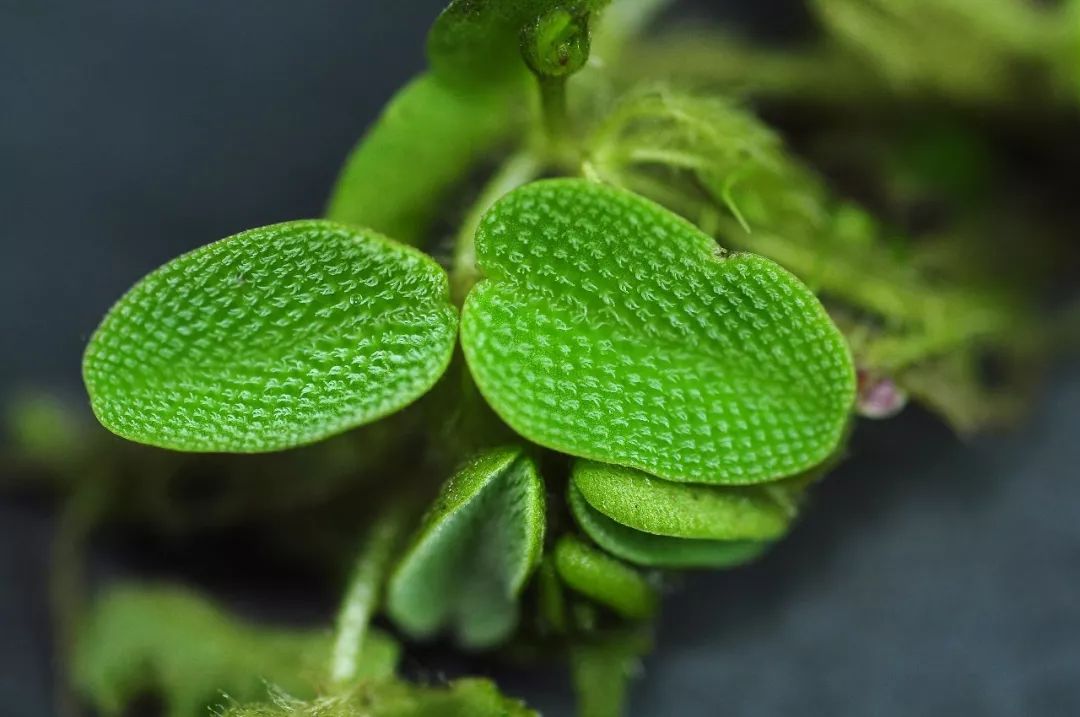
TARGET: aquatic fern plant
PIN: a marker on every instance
(649, 337)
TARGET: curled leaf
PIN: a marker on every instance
(272, 338)
(658, 551)
(642, 502)
(609, 328)
(476, 548)
(604, 579)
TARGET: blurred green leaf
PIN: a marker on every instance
(609, 328)
(393, 698)
(168, 641)
(272, 338)
(425, 143)
(472, 555)
(602, 667)
(604, 579)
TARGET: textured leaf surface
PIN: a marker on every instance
(476, 548)
(174, 643)
(640, 501)
(271, 338)
(610, 328)
(658, 551)
(394, 698)
(604, 579)
(428, 139)
(480, 40)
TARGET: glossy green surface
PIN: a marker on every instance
(610, 328)
(472, 555)
(272, 338)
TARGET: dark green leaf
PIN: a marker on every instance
(659, 551)
(604, 579)
(473, 553)
(612, 329)
(272, 338)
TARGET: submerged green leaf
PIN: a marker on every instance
(480, 41)
(473, 553)
(604, 579)
(659, 551)
(427, 140)
(272, 338)
(172, 642)
(393, 698)
(612, 329)
(642, 502)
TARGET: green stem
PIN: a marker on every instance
(555, 113)
(519, 169)
(364, 590)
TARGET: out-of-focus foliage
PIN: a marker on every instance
(174, 644)
(392, 698)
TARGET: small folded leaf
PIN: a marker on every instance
(176, 644)
(479, 41)
(642, 502)
(604, 579)
(270, 339)
(610, 328)
(477, 546)
(427, 140)
(659, 551)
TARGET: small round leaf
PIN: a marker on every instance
(271, 338)
(610, 328)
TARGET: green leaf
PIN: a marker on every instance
(609, 328)
(426, 142)
(172, 642)
(642, 502)
(480, 41)
(659, 551)
(270, 339)
(604, 579)
(475, 550)
(394, 698)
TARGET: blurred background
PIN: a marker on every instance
(930, 575)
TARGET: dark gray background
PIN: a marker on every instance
(929, 577)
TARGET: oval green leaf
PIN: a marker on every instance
(658, 551)
(652, 505)
(610, 328)
(270, 339)
(604, 579)
(473, 553)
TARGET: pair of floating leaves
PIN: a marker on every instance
(475, 550)
(272, 338)
(609, 328)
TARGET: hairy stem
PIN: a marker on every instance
(518, 169)
(362, 596)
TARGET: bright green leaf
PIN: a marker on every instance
(480, 41)
(174, 643)
(477, 546)
(642, 502)
(394, 698)
(425, 143)
(610, 328)
(658, 551)
(270, 339)
(604, 579)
